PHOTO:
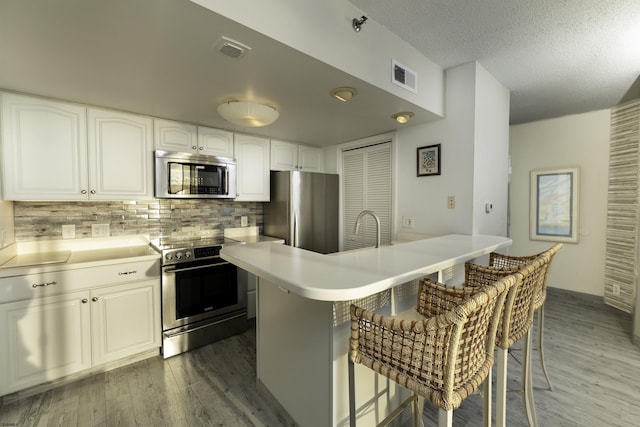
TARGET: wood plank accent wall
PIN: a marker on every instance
(622, 210)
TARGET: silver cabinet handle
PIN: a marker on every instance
(84, 300)
(42, 285)
(126, 273)
(84, 191)
(201, 148)
(93, 191)
(94, 299)
(193, 147)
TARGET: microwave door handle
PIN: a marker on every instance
(226, 181)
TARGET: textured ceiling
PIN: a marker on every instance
(556, 57)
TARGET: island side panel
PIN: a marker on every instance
(294, 353)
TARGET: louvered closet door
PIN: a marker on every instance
(366, 174)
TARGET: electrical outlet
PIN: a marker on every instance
(100, 230)
(244, 221)
(407, 221)
(69, 231)
(451, 202)
(616, 290)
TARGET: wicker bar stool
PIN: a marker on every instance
(500, 260)
(442, 356)
(515, 324)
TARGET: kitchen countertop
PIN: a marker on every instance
(43, 256)
(356, 274)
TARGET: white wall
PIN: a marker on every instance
(323, 30)
(491, 155)
(579, 140)
(474, 145)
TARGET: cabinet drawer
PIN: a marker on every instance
(56, 282)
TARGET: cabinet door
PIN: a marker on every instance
(125, 320)
(284, 156)
(215, 142)
(44, 149)
(310, 159)
(175, 136)
(252, 155)
(120, 155)
(43, 339)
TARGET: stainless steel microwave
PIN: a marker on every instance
(194, 176)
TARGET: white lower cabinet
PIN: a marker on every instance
(47, 337)
(123, 320)
(43, 339)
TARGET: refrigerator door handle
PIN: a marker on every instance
(294, 243)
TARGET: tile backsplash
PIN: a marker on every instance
(160, 217)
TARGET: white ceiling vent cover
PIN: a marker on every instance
(230, 47)
(404, 77)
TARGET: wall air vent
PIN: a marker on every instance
(404, 76)
(231, 48)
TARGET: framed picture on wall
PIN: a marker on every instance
(429, 160)
(554, 205)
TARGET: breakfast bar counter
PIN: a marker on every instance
(358, 273)
(303, 325)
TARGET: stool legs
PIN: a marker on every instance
(352, 395)
(445, 418)
(540, 344)
(486, 400)
(526, 383)
(501, 387)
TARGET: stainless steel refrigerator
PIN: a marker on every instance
(304, 210)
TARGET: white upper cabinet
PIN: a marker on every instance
(188, 138)
(120, 155)
(286, 156)
(61, 151)
(44, 149)
(175, 136)
(215, 142)
(252, 155)
(310, 159)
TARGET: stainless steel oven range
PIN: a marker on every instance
(202, 299)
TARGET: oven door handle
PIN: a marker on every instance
(186, 331)
(178, 270)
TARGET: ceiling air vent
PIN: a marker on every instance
(404, 77)
(231, 48)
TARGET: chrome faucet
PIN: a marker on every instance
(356, 227)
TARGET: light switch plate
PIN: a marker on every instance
(244, 221)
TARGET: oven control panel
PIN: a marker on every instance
(207, 251)
(191, 254)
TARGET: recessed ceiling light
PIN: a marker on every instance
(403, 117)
(344, 93)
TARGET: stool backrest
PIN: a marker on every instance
(517, 316)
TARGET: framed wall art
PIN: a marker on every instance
(554, 205)
(429, 160)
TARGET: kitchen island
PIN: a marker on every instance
(303, 319)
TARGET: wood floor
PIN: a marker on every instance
(594, 367)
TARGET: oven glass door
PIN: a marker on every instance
(199, 290)
(190, 178)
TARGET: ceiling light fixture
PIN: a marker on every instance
(403, 117)
(344, 93)
(358, 23)
(248, 113)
